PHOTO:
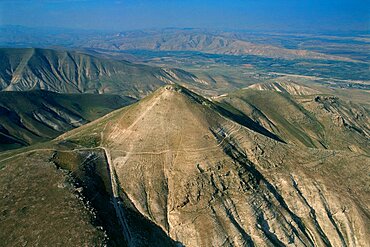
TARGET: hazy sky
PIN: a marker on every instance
(237, 14)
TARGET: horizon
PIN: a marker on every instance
(256, 31)
(265, 15)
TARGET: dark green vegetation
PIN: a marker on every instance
(35, 116)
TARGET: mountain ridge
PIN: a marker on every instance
(190, 40)
(203, 40)
(285, 87)
(73, 72)
(315, 119)
(240, 177)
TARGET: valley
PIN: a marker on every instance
(35, 116)
(183, 137)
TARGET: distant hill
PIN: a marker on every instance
(199, 40)
(73, 72)
(170, 39)
(30, 117)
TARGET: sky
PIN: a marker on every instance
(120, 15)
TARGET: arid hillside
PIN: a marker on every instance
(304, 116)
(178, 170)
(74, 72)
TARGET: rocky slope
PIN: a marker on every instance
(74, 72)
(41, 205)
(284, 87)
(314, 120)
(180, 172)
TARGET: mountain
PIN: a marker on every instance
(31, 117)
(199, 40)
(74, 72)
(288, 46)
(304, 116)
(284, 87)
(176, 169)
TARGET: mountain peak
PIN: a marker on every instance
(173, 87)
(169, 119)
(181, 163)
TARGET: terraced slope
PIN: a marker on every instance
(179, 172)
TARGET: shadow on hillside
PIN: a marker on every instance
(89, 170)
(246, 121)
(260, 182)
